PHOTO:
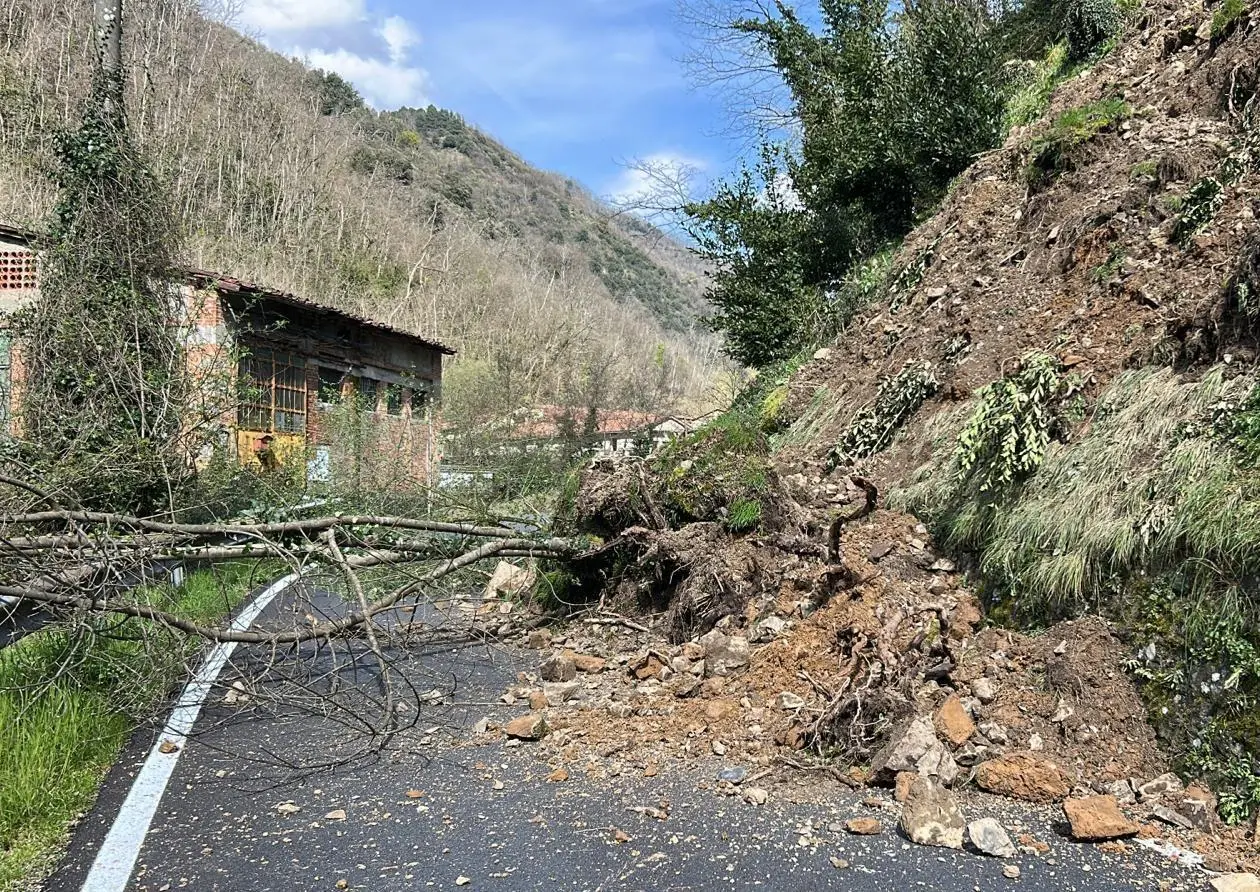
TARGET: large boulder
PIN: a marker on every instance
(724, 653)
(1097, 818)
(931, 816)
(913, 747)
(1024, 776)
(509, 580)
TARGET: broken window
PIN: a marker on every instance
(393, 399)
(19, 270)
(419, 399)
(330, 381)
(273, 391)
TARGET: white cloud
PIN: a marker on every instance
(657, 181)
(399, 37)
(269, 16)
(384, 84)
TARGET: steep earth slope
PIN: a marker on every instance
(1059, 384)
(412, 216)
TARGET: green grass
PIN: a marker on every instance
(1030, 101)
(1226, 15)
(70, 697)
(1058, 149)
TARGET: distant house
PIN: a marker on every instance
(298, 365)
(616, 431)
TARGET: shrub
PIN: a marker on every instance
(1090, 24)
(1197, 210)
(873, 429)
(1029, 102)
(1226, 15)
(1006, 437)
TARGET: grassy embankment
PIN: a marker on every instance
(70, 697)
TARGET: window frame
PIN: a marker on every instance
(278, 401)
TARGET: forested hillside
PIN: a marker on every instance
(282, 176)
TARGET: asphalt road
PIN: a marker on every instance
(489, 818)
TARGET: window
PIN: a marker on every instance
(274, 392)
(19, 270)
(330, 380)
(393, 399)
(419, 399)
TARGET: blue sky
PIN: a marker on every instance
(575, 86)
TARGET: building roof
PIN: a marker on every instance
(230, 285)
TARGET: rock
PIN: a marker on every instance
(1096, 818)
(1062, 714)
(906, 746)
(734, 774)
(685, 685)
(1199, 807)
(901, 787)
(527, 727)
(481, 726)
(788, 700)
(585, 663)
(537, 700)
(994, 733)
(1165, 783)
(560, 692)
(1061, 649)
(647, 666)
(558, 668)
(864, 826)
(1035, 743)
(720, 709)
(822, 353)
(971, 756)
(1236, 882)
(880, 550)
(1171, 818)
(989, 837)
(1123, 791)
(984, 690)
(1011, 871)
(938, 763)
(337, 814)
(1023, 776)
(756, 796)
(539, 639)
(931, 817)
(838, 863)
(953, 722)
(770, 628)
(693, 651)
(722, 653)
(510, 580)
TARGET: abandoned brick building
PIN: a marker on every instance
(317, 385)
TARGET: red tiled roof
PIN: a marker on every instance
(547, 422)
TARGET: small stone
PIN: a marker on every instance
(942, 565)
(527, 727)
(720, 709)
(953, 722)
(647, 666)
(880, 550)
(1165, 783)
(994, 733)
(907, 744)
(1011, 871)
(337, 814)
(989, 837)
(734, 774)
(537, 700)
(559, 776)
(1123, 791)
(902, 785)
(1035, 743)
(1095, 818)
(822, 353)
(1061, 649)
(931, 816)
(1236, 882)
(558, 668)
(481, 726)
(838, 863)
(756, 796)
(864, 826)
(722, 653)
(462, 881)
(718, 747)
(1171, 817)
(539, 639)
(788, 700)
(587, 664)
(1062, 714)
(288, 808)
(984, 690)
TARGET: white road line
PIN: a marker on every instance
(117, 856)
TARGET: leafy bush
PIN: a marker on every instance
(1006, 437)
(899, 397)
(334, 94)
(1201, 204)
(1029, 102)
(1090, 24)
